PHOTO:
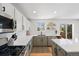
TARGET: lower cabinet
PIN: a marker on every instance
(27, 50)
(57, 51)
(49, 40)
(60, 52)
(54, 49)
(40, 41)
(43, 40)
(24, 52)
(34, 41)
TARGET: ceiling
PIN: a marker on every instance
(36, 11)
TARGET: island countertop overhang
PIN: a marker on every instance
(70, 46)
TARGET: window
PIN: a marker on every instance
(40, 26)
(66, 31)
(69, 31)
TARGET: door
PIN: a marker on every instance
(66, 31)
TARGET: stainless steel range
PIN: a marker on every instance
(6, 50)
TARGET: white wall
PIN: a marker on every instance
(76, 30)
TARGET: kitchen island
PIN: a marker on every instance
(66, 47)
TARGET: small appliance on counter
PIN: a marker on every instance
(27, 32)
(12, 39)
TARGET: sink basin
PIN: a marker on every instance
(41, 35)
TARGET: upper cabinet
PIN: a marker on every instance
(18, 18)
(22, 22)
(26, 24)
(0, 7)
(8, 9)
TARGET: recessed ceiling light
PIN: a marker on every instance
(55, 12)
(34, 12)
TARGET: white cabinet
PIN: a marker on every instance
(8, 9)
(18, 18)
(26, 24)
(0, 7)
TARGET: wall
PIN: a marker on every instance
(75, 26)
(75, 29)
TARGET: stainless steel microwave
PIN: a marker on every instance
(6, 24)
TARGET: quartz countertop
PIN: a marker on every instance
(23, 41)
(68, 45)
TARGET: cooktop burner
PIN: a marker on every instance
(6, 50)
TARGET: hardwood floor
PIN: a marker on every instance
(41, 51)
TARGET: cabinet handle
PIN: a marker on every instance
(3, 9)
(59, 49)
(55, 49)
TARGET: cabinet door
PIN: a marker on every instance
(18, 18)
(30, 46)
(49, 40)
(26, 50)
(54, 49)
(34, 41)
(26, 23)
(39, 41)
(44, 38)
(9, 9)
(60, 51)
